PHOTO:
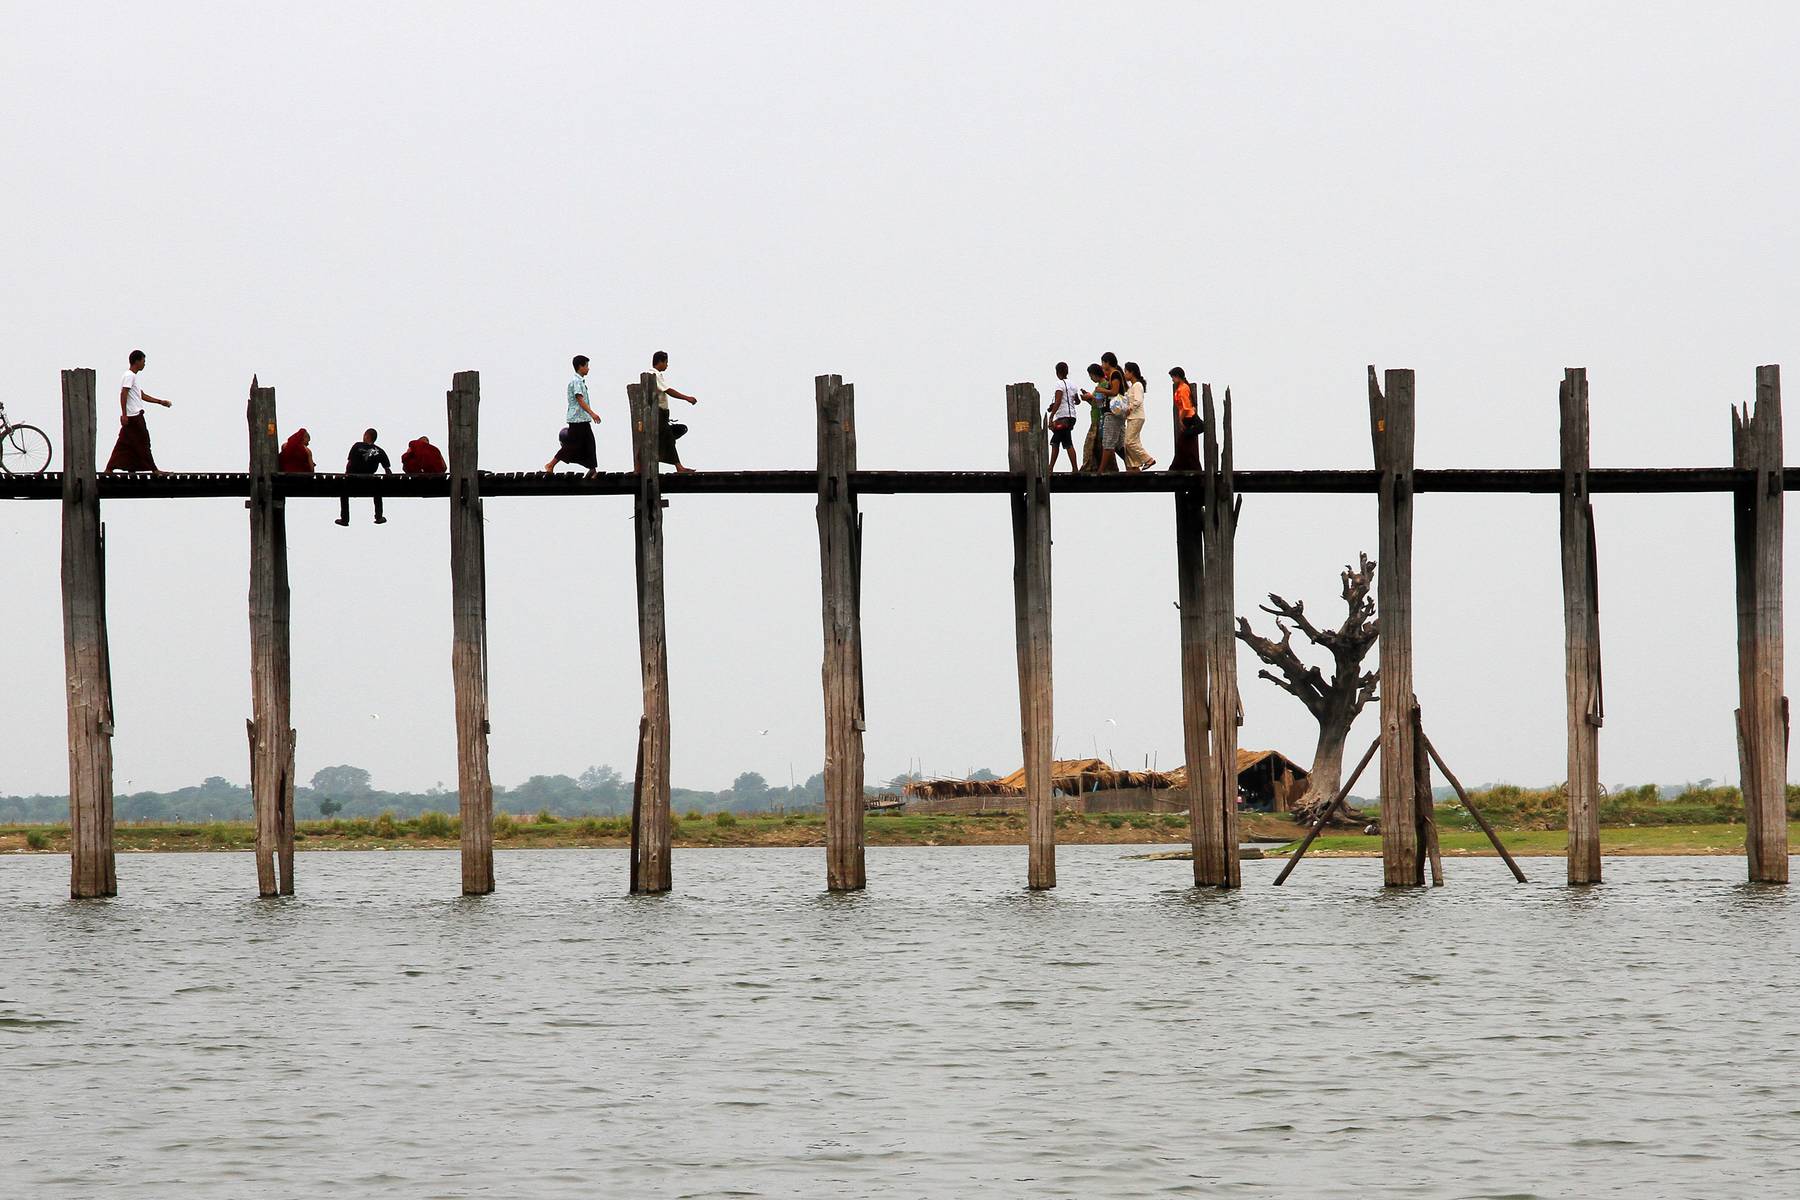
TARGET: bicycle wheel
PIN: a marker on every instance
(24, 450)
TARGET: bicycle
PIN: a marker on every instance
(24, 449)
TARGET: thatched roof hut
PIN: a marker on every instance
(1266, 778)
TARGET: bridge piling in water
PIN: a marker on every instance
(1212, 818)
(840, 586)
(1581, 633)
(468, 634)
(1391, 429)
(1026, 450)
(1762, 716)
(270, 727)
(652, 832)
(86, 658)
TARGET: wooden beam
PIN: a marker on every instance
(840, 574)
(1469, 806)
(1762, 715)
(1325, 812)
(468, 634)
(1581, 633)
(1026, 450)
(1391, 429)
(270, 726)
(86, 659)
(1216, 859)
(651, 846)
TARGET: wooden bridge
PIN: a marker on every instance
(1206, 507)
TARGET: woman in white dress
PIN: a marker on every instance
(1136, 457)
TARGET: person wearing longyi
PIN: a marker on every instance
(132, 451)
(579, 418)
(667, 430)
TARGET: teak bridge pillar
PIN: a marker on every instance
(840, 574)
(1391, 429)
(85, 656)
(270, 726)
(651, 832)
(1762, 716)
(1212, 806)
(468, 636)
(1581, 633)
(1026, 450)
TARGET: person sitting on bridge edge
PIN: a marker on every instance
(578, 433)
(132, 451)
(365, 459)
(667, 431)
(296, 454)
(422, 458)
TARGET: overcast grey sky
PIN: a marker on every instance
(932, 200)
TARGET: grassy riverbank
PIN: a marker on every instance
(437, 831)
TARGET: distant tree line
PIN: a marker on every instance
(350, 792)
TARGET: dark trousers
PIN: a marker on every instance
(344, 507)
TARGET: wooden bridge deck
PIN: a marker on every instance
(1479, 480)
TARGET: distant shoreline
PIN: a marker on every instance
(1275, 835)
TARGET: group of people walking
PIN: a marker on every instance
(1116, 415)
(576, 441)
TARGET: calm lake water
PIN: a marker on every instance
(945, 1034)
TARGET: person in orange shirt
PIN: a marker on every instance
(1187, 424)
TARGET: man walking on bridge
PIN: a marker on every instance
(132, 451)
(667, 430)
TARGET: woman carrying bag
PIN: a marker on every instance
(1187, 425)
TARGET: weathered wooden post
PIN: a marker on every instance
(85, 656)
(840, 573)
(1762, 716)
(270, 726)
(1026, 454)
(1391, 428)
(1204, 834)
(1581, 633)
(1216, 858)
(651, 830)
(468, 634)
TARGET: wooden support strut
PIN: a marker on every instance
(840, 575)
(86, 659)
(1469, 807)
(1216, 854)
(1391, 429)
(1025, 445)
(1762, 716)
(1581, 633)
(1325, 812)
(270, 727)
(651, 830)
(468, 637)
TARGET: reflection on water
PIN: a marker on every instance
(944, 1034)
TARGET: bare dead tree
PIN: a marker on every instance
(1333, 702)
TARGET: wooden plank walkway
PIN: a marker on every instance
(1546, 481)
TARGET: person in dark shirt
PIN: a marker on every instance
(365, 459)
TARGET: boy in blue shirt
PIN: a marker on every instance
(578, 435)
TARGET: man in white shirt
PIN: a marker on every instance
(132, 451)
(666, 430)
(1065, 408)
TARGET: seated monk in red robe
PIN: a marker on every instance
(422, 458)
(296, 454)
